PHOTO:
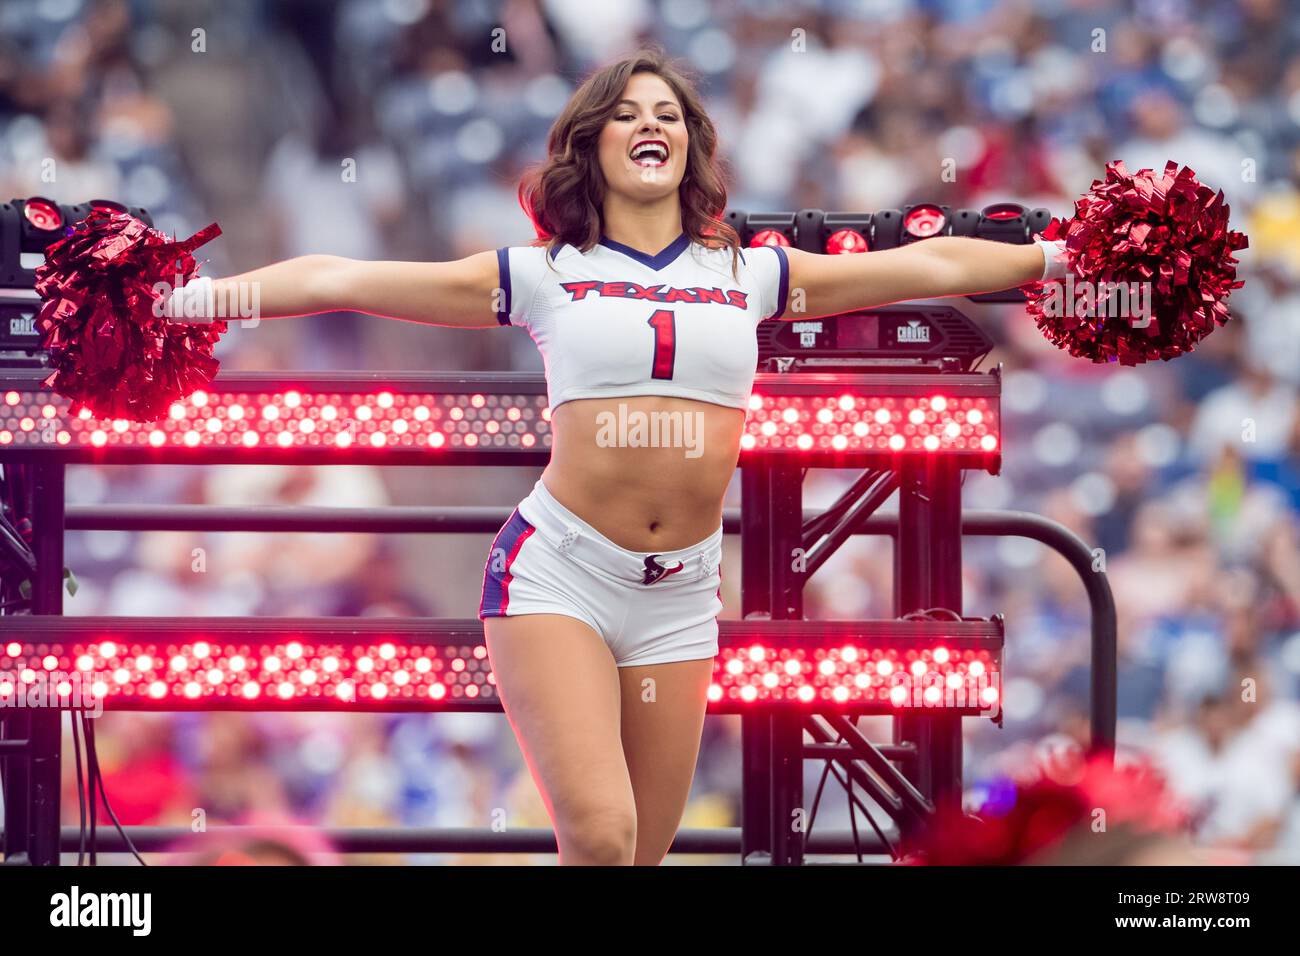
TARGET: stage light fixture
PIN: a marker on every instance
(846, 241)
(43, 214)
(769, 237)
(924, 221)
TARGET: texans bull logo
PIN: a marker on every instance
(654, 571)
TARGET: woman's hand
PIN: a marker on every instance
(929, 269)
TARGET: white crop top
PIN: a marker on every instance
(618, 322)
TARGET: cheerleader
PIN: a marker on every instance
(601, 592)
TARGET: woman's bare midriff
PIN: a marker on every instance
(641, 497)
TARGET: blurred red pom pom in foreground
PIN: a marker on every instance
(1168, 230)
(110, 352)
(1061, 816)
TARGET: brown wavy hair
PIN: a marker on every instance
(564, 194)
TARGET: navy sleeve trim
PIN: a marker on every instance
(783, 287)
(503, 268)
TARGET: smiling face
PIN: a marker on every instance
(633, 140)
(643, 146)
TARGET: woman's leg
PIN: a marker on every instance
(560, 690)
(663, 718)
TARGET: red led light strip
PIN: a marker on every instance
(885, 424)
(217, 675)
(886, 679)
(825, 414)
(148, 664)
(291, 419)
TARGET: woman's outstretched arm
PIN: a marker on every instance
(931, 268)
(462, 292)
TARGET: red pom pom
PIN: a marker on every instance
(1035, 818)
(110, 352)
(1167, 230)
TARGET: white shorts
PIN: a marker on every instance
(650, 608)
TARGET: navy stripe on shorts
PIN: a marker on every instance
(496, 583)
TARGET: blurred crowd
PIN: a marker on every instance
(1185, 476)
